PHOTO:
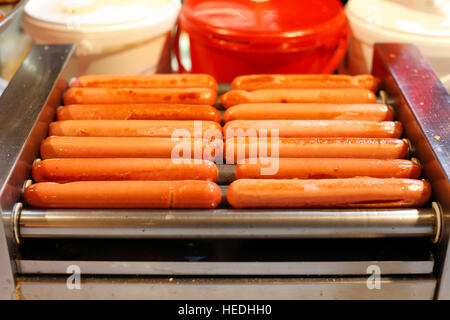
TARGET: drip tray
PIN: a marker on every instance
(228, 257)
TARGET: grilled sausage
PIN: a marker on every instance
(353, 192)
(146, 81)
(67, 170)
(279, 81)
(140, 95)
(340, 96)
(133, 128)
(308, 111)
(124, 194)
(127, 147)
(138, 112)
(325, 168)
(237, 149)
(312, 128)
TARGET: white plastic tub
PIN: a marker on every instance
(424, 22)
(112, 36)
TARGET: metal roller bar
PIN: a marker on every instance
(227, 223)
(226, 174)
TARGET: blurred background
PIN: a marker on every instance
(225, 38)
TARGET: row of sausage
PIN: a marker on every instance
(202, 90)
(255, 111)
(111, 182)
(230, 151)
(235, 128)
(275, 95)
(103, 169)
(161, 183)
(109, 148)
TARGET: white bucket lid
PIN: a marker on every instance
(94, 24)
(417, 17)
(424, 22)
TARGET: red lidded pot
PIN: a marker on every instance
(237, 37)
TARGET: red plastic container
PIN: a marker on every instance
(235, 37)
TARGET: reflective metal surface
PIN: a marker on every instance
(26, 107)
(422, 104)
(137, 288)
(321, 268)
(226, 173)
(227, 223)
(7, 266)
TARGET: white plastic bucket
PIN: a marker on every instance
(112, 36)
(424, 22)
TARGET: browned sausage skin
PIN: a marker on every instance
(323, 193)
(313, 128)
(116, 169)
(202, 96)
(309, 111)
(138, 112)
(134, 128)
(237, 149)
(308, 81)
(338, 96)
(128, 147)
(124, 194)
(146, 81)
(326, 168)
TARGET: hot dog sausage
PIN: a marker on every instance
(146, 81)
(312, 128)
(279, 81)
(66, 170)
(340, 96)
(307, 111)
(140, 95)
(138, 112)
(134, 128)
(236, 149)
(126, 147)
(353, 192)
(124, 194)
(325, 168)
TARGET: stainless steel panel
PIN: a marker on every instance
(140, 288)
(26, 107)
(225, 268)
(227, 223)
(422, 104)
(7, 267)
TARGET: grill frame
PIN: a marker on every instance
(55, 66)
